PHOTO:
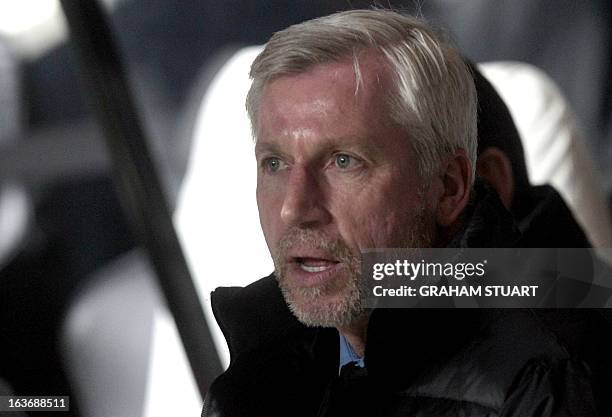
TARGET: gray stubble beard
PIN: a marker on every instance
(305, 303)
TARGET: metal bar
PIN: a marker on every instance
(138, 182)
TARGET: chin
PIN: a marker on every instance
(314, 308)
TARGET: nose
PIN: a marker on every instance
(304, 203)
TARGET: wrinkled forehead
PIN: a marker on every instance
(359, 82)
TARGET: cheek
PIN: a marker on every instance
(365, 220)
(380, 230)
(269, 203)
(379, 219)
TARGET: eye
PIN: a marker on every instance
(344, 161)
(272, 164)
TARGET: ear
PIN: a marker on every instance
(454, 185)
(494, 166)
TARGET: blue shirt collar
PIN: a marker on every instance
(347, 354)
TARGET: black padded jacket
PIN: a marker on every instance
(440, 363)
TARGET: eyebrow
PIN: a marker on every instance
(326, 145)
(353, 142)
(261, 147)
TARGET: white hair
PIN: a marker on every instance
(434, 98)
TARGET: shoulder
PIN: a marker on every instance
(253, 315)
(277, 363)
(514, 359)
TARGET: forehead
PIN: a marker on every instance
(328, 93)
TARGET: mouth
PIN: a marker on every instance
(313, 265)
(312, 271)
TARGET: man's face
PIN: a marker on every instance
(335, 176)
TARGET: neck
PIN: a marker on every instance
(355, 333)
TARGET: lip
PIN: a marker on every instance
(313, 278)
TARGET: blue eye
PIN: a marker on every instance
(272, 164)
(344, 161)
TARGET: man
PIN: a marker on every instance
(543, 218)
(365, 129)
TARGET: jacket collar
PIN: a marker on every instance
(550, 223)
(487, 223)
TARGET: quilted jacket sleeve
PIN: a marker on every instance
(551, 390)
